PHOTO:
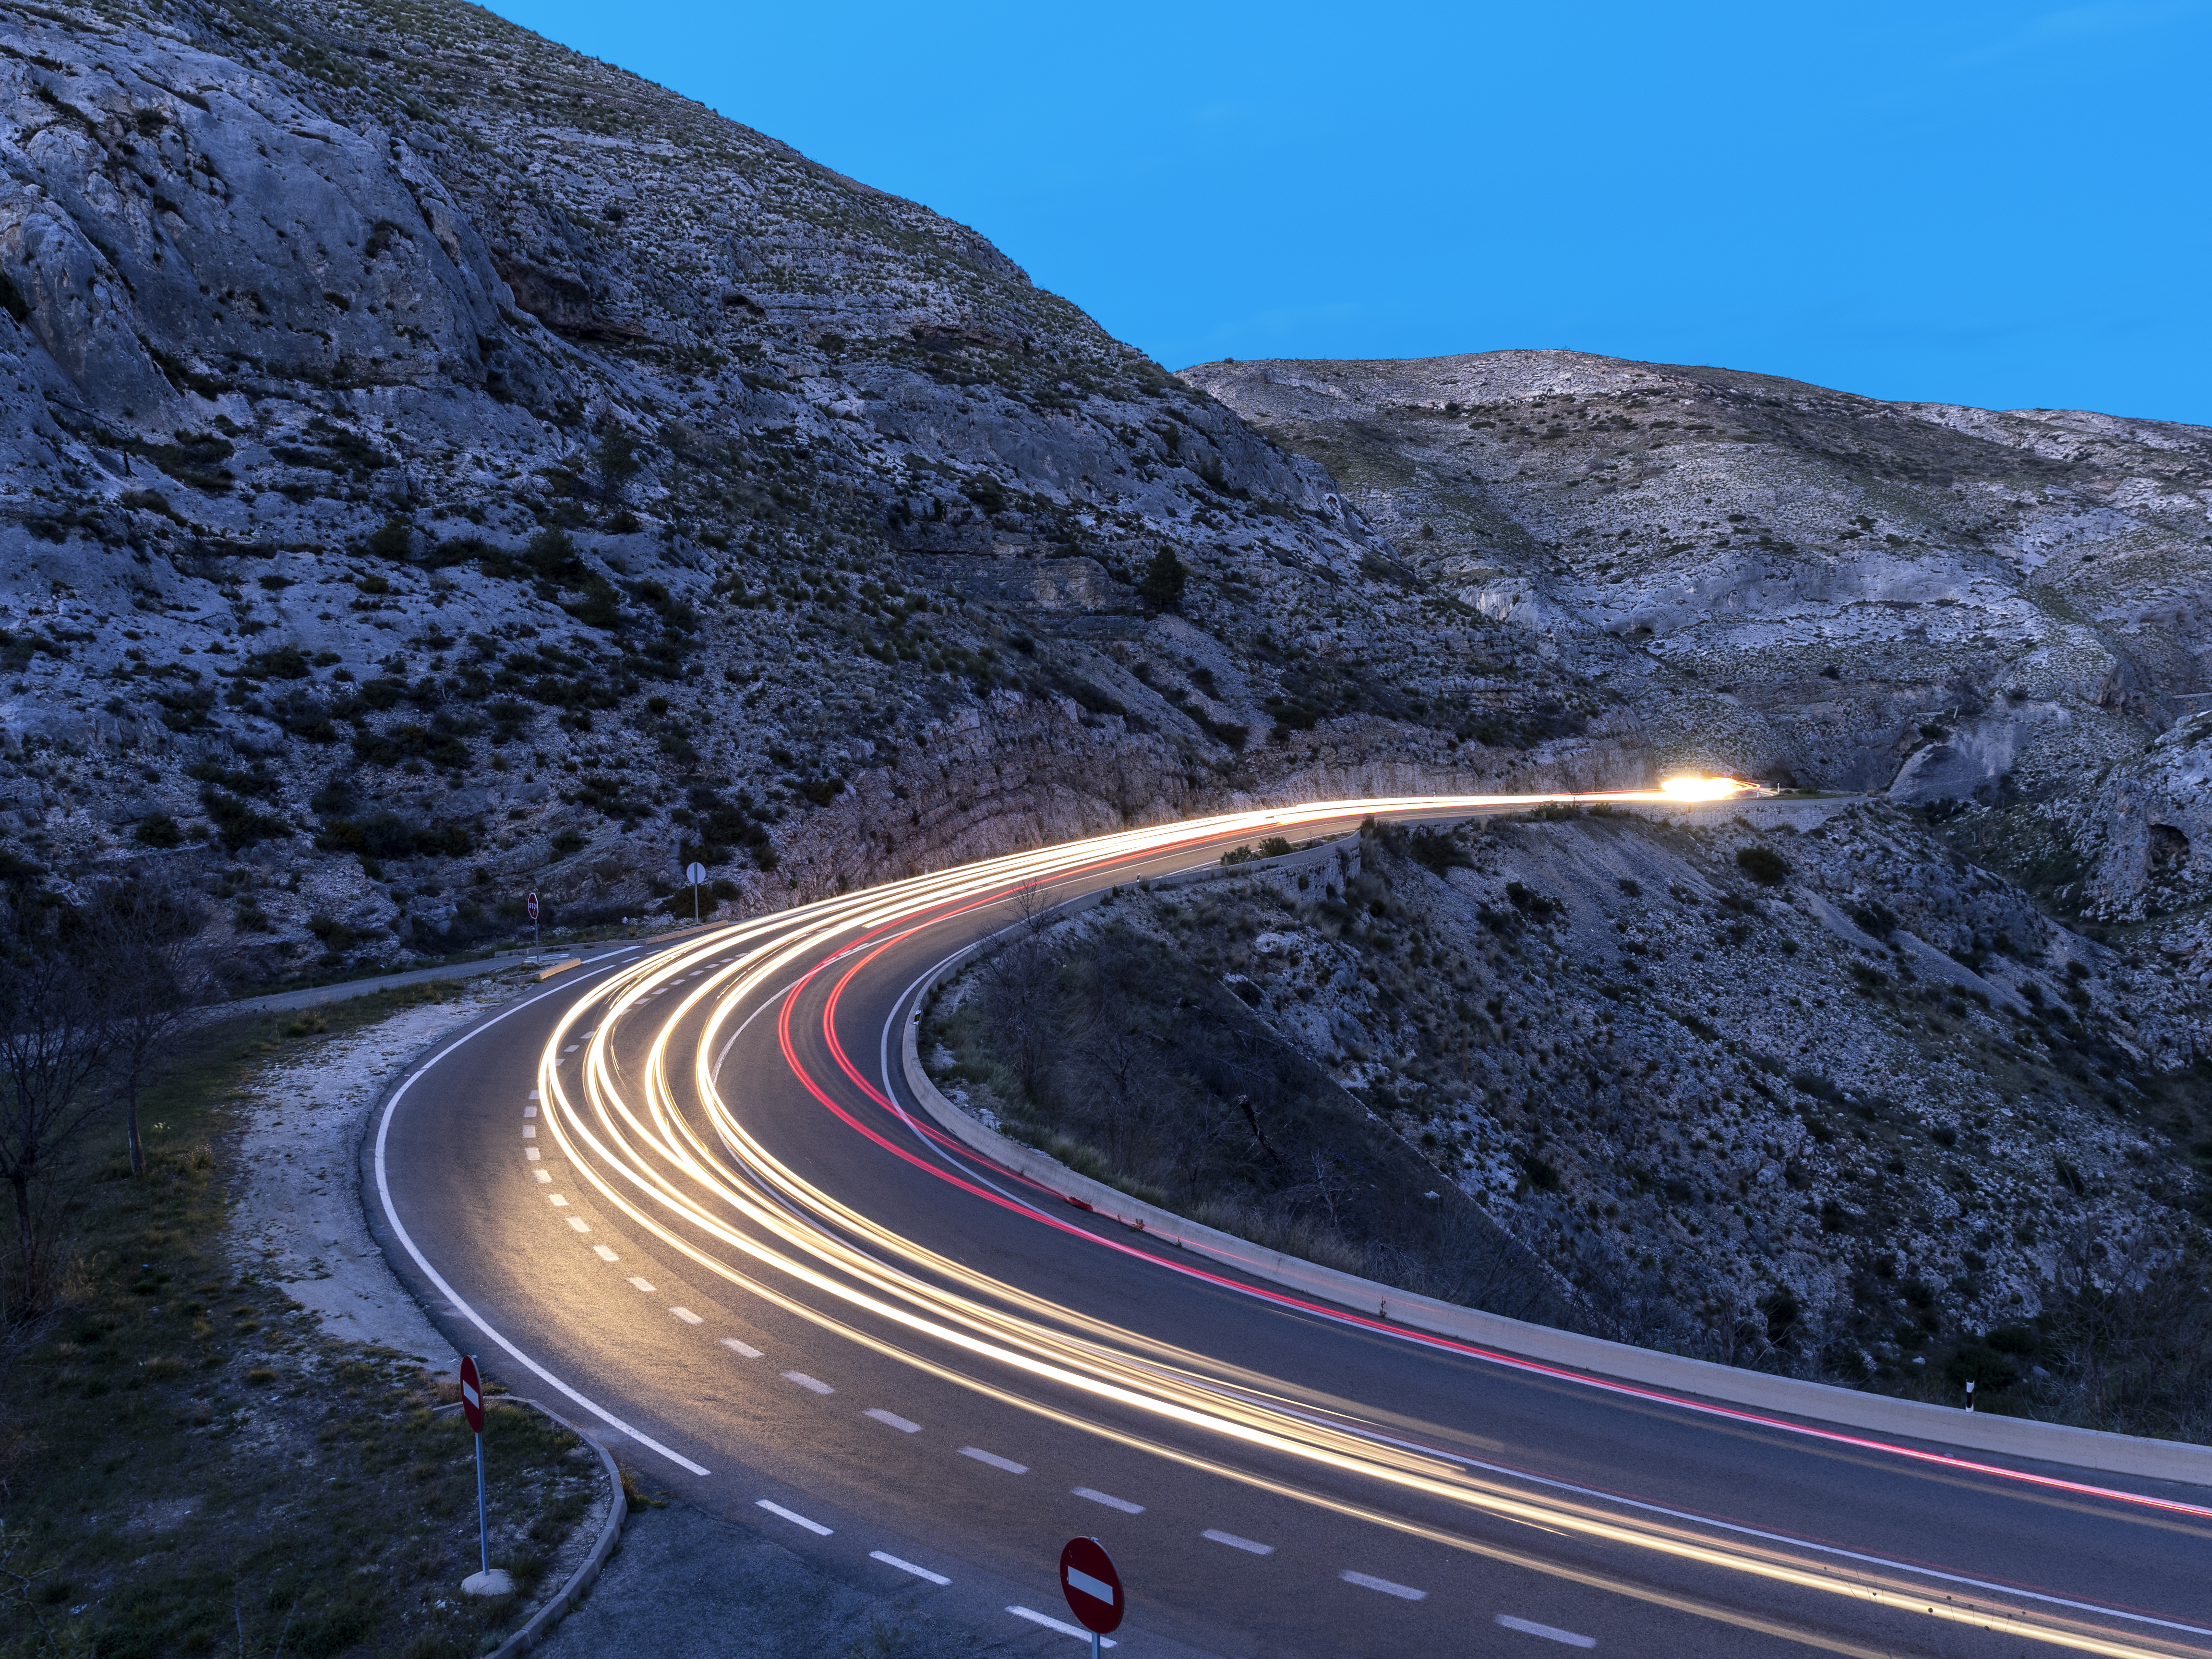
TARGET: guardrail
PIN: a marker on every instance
(1819, 1402)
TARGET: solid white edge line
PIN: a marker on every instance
(1061, 1626)
(890, 1560)
(444, 1288)
(795, 1518)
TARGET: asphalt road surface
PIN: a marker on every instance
(687, 1189)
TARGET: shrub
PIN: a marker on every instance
(1763, 864)
(237, 825)
(1165, 578)
(394, 539)
(159, 830)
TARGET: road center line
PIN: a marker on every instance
(893, 1419)
(1549, 1632)
(1236, 1543)
(1368, 1581)
(994, 1460)
(1061, 1626)
(890, 1560)
(795, 1518)
(1111, 1503)
(814, 1384)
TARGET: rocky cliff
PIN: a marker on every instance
(438, 464)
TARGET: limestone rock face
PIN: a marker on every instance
(1852, 594)
(408, 421)
(170, 221)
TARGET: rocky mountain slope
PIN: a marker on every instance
(1787, 1084)
(441, 450)
(438, 464)
(1998, 619)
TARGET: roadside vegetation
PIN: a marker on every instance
(1140, 1069)
(187, 1466)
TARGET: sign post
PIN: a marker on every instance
(1092, 1588)
(486, 1581)
(694, 873)
(530, 903)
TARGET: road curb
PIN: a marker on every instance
(588, 1573)
(1819, 1402)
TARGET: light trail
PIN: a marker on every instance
(702, 1184)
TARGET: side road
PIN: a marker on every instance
(315, 996)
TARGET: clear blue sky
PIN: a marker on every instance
(2002, 205)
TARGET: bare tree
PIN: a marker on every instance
(54, 1048)
(154, 974)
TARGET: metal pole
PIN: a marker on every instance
(1094, 1644)
(695, 903)
(483, 1532)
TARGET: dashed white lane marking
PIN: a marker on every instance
(1109, 1501)
(907, 1566)
(994, 1460)
(579, 1223)
(533, 1095)
(544, 1176)
(570, 1050)
(1549, 1632)
(687, 1316)
(605, 1254)
(1368, 1581)
(814, 1384)
(738, 1347)
(532, 1153)
(1060, 1625)
(894, 1420)
(556, 1200)
(530, 1132)
(1236, 1543)
(529, 1111)
(641, 1284)
(795, 1518)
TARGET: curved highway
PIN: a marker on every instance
(687, 1188)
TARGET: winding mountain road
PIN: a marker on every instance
(690, 1189)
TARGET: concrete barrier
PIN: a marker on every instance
(1817, 1402)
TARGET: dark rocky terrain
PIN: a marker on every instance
(440, 464)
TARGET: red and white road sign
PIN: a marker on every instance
(471, 1394)
(530, 904)
(1092, 1586)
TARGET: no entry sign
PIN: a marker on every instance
(471, 1394)
(530, 904)
(1092, 1586)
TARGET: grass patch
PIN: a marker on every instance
(189, 1466)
